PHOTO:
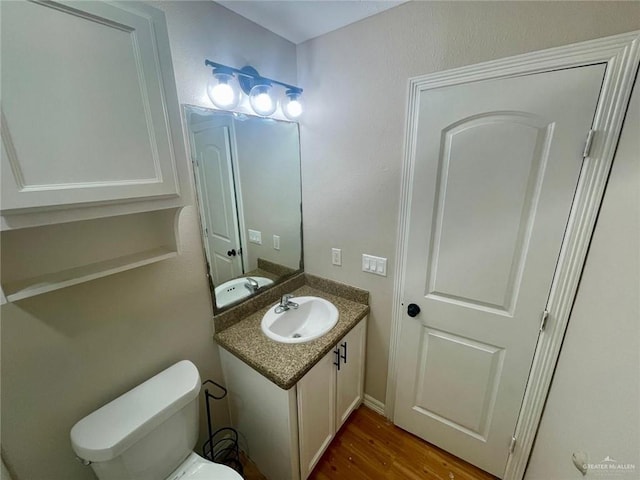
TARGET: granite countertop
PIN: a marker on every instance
(284, 363)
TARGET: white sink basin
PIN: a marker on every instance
(313, 318)
(234, 290)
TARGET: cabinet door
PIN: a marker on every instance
(316, 412)
(88, 105)
(350, 381)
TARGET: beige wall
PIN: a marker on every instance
(594, 401)
(355, 82)
(65, 353)
(200, 30)
(269, 174)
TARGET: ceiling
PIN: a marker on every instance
(301, 20)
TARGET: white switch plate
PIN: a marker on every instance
(377, 265)
(255, 237)
(336, 256)
(276, 242)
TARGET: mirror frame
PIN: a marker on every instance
(187, 110)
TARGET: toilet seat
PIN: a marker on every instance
(197, 468)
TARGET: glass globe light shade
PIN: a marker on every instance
(262, 101)
(223, 92)
(292, 108)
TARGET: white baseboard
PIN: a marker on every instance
(375, 405)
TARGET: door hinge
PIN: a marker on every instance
(512, 445)
(206, 231)
(587, 145)
(543, 320)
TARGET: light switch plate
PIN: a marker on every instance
(255, 237)
(276, 242)
(376, 265)
(336, 256)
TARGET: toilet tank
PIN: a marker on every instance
(145, 433)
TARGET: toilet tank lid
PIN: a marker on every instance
(110, 430)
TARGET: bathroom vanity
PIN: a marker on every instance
(288, 400)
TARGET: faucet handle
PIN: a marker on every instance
(286, 303)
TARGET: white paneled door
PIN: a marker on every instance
(216, 191)
(495, 171)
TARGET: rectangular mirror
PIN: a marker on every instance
(247, 178)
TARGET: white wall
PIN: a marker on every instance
(65, 353)
(355, 82)
(594, 401)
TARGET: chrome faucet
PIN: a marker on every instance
(251, 285)
(286, 304)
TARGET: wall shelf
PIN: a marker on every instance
(85, 195)
(73, 276)
(43, 259)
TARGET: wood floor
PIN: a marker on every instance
(368, 447)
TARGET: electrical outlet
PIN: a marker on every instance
(336, 256)
(276, 242)
(377, 265)
(255, 237)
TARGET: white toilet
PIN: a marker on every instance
(149, 432)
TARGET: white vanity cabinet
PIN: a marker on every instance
(328, 394)
(90, 116)
(350, 375)
(287, 431)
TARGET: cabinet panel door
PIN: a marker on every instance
(316, 412)
(350, 381)
(84, 105)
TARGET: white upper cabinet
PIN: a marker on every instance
(90, 114)
(93, 155)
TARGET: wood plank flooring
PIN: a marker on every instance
(368, 447)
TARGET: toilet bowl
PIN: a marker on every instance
(149, 432)
(197, 468)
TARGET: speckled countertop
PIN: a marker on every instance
(284, 364)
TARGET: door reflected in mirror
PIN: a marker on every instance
(247, 178)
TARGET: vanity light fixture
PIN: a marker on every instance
(291, 107)
(261, 99)
(224, 93)
(222, 90)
